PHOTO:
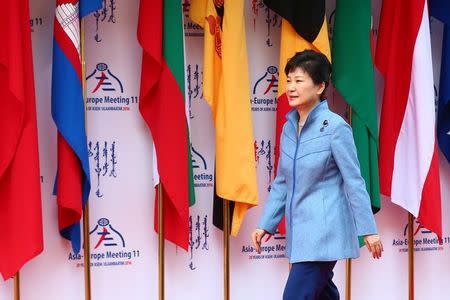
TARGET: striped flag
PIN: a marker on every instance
(176, 60)
(160, 33)
(304, 26)
(72, 185)
(409, 167)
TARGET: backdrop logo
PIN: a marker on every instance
(265, 91)
(202, 175)
(107, 235)
(417, 228)
(108, 247)
(423, 239)
(106, 91)
(105, 79)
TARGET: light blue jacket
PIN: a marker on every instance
(320, 190)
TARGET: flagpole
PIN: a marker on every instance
(17, 286)
(348, 261)
(86, 241)
(87, 251)
(226, 250)
(348, 279)
(161, 241)
(411, 256)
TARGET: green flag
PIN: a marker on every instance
(353, 77)
(173, 51)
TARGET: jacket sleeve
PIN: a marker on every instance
(275, 204)
(344, 153)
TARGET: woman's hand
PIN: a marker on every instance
(373, 243)
(257, 236)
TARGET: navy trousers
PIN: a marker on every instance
(311, 281)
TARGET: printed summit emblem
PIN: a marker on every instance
(109, 249)
(106, 80)
(108, 236)
(269, 80)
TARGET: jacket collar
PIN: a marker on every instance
(293, 117)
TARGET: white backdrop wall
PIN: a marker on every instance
(121, 200)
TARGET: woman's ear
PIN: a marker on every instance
(321, 88)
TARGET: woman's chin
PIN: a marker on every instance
(293, 103)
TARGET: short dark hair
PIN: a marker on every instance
(314, 63)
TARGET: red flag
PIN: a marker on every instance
(163, 109)
(21, 236)
(409, 167)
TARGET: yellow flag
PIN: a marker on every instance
(292, 42)
(226, 89)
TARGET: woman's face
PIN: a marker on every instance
(301, 90)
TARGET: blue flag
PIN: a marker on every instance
(72, 184)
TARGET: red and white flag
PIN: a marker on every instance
(409, 167)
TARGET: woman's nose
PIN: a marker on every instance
(289, 86)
